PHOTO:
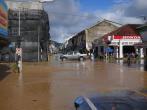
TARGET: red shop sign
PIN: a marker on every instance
(127, 37)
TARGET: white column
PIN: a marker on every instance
(106, 54)
(19, 22)
(141, 53)
(142, 63)
(117, 54)
(137, 51)
(120, 50)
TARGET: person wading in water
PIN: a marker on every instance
(129, 60)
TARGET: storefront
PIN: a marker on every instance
(123, 42)
(125, 45)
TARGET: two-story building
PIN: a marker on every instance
(83, 41)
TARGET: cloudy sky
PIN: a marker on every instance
(67, 17)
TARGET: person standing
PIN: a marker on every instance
(129, 60)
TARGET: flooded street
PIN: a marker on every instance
(54, 85)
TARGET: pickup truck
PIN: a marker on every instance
(74, 56)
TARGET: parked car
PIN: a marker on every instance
(124, 100)
(74, 56)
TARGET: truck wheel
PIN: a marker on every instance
(63, 59)
(81, 59)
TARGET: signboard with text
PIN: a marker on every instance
(126, 37)
(3, 19)
(18, 51)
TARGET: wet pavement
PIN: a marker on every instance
(54, 85)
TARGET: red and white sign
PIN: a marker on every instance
(18, 51)
(127, 37)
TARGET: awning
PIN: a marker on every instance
(109, 50)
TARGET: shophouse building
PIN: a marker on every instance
(122, 42)
(83, 41)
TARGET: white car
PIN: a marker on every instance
(74, 56)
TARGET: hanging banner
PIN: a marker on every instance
(18, 51)
(3, 19)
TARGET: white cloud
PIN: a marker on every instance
(141, 4)
(120, 1)
(118, 14)
(126, 11)
(66, 18)
(137, 8)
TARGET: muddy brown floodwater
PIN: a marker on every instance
(55, 84)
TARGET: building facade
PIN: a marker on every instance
(98, 30)
(34, 33)
(143, 32)
(83, 41)
(123, 41)
(28, 29)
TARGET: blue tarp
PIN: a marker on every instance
(108, 50)
(4, 5)
(3, 32)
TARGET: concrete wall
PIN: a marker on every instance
(84, 39)
(77, 42)
(98, 31)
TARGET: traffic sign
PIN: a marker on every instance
(18, 51)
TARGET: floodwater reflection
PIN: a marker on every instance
(139, 64)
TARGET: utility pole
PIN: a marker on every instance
(19, 54)
(38, 44)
